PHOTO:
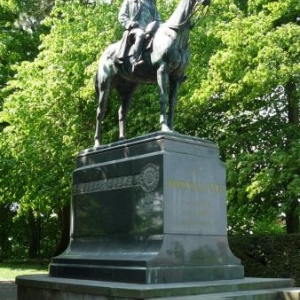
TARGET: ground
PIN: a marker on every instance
(8, 290)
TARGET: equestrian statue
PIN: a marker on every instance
(150, 52)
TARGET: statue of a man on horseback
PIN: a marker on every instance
(162, 62)
(140, 18)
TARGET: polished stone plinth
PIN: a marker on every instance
(149, 210)
(43, 287)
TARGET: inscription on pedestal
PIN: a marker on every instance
(196, 186)
(147, 180)
(196, 195)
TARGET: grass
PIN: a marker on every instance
(9, 271)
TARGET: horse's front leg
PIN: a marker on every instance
(122, 119)
(122, 123)
(174, 87)
(126, 93)
(98, 128)
(101, 109)
(162, 80)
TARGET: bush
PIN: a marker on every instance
(273, 256)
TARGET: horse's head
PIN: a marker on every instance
(198, 3)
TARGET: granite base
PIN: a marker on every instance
(43, 287)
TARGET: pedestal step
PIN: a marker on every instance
(274, 294)
(284, 294)
(43, 287)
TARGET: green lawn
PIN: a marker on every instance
(9, 271)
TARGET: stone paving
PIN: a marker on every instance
(8, 290)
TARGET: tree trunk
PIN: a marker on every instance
(292, 216)
(292, 221)
(34, 246)
(65, 230)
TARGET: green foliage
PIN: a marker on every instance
(245, 99)
(269, 256)
(50, 109)
(21, 25)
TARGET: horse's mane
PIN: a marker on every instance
(110, 51)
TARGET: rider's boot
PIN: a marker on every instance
(137, 51)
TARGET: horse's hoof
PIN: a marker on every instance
(165, 128)
(97, 144)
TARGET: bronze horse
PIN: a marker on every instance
(165, 65)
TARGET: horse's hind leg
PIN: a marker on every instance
(102, 87)
(126, 93)
(163, 80)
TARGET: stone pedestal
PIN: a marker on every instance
(149, 210)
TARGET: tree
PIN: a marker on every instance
(248, 102)
(50, 109)
(21, 25)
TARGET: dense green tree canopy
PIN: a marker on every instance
(249, 103)
(20, 25)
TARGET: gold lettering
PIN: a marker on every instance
(194, 186)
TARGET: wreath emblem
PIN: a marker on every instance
(149, 177)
